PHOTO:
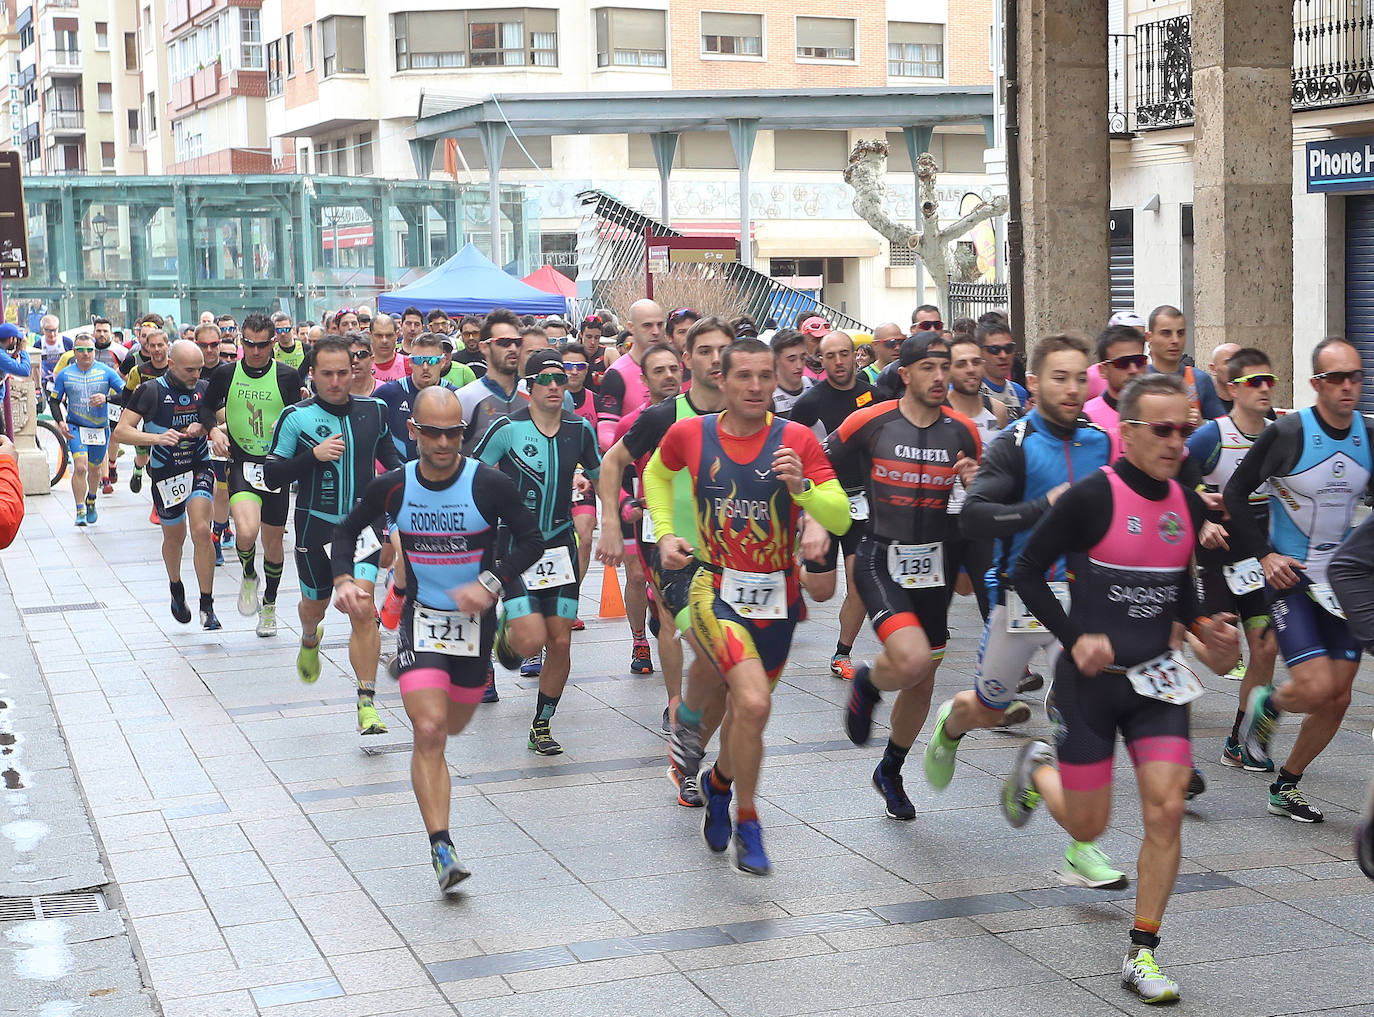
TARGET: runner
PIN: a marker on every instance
(290, 349)
(1128, 527)
(1317, 464)
(1024, 471)
(387, 365)
(1168, 337)
(584, 505)
(540, 447)
(495, 393)
(149, 363)
(752, 475)
(907, 455)
(112, 354)
(446, 509)
(87, 387)
(363, 384)
(789, 355)
(1120, 357)
(243, 402)
(164, 415)
(329, 445)
(1230, 581)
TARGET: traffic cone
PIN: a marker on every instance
(612, 603)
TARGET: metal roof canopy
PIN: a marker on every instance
(665, 115)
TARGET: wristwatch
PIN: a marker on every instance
(490, 583)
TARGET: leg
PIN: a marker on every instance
(311, 613)
(247, 513)
(1002, 658)
(427, 705)
(1162, 785)
(751, 702)
(1321, 725)
(585, 524)
(905, 660)
(364, 642)
(198, 512)
(852, 610)
(1312, 685)
(80, 467)
(636, 597)
(669, 654)
(273, 559)
(173, 540)
(557, 658)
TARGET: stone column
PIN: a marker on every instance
(1064, 164)
(1243, 180)
(33, 464)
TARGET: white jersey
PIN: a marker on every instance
(986, 422)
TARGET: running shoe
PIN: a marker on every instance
(842, 667)
(114, 475)
(1140, 973)
(1364, 836)
(1289, 801)
(1086, 864)
(153, 517)
(391, 607)
(449, 870)
(579, 625)
(136, 481)
(393, 666)
(894, 794)
(939, 754)
(858, 714)
(685, 750)
(180, 611)
(1017, 713)
(107, 486)
(219, 551)
(640, 660)
(666, 725)
(749, 857)
(501, 645)
(541, 741)
(532, 666)
(1234, 755)
(267, 620)
(689, 792)
(489, 694)
(369, 721)
(1237, 673)
(1019, 797)
(90, 510)
(209, 621)
(226, 535)
(308, 659)
(1029, 682)
(81, 515)
(1259, 722)
(715, 821)
(1196, 785)
(248, 596)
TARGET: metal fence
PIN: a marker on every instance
(971, 300)
(1164, 73)
(1120, 71)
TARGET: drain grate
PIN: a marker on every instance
(87, 605)
(60, 905)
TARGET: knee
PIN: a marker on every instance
(913, 663)
(526, 635)
(200, 530)
(751, 709)
(1163, 813)
(430, 734)
(821, 585)
(1339, 701)
(560, 642)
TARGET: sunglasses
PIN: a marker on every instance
(213, 345)
(424, 360)
(998, 351)
(548, 378)
(435, 431)
(1256, 380)
(359, 354)
(574, 367)
(891, 344)
(1164, 429)
(282, 331)
(228, 356)
(228, 329)
(258, 345)
(1128, 361)
(506, 342)
(1339, 377)
(930, 326)
(85, 349)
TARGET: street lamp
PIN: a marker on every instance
(99, 223)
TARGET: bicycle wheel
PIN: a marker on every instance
(50, 443)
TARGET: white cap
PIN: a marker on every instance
(1129, 318)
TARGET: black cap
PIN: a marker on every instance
(918, 347)
(541, 359)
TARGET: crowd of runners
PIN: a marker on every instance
(1107, 503)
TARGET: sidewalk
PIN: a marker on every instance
(264, 864)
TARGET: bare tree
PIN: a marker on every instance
(866, 173)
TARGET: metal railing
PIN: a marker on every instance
(971, 300)
(62, 120)
(1164, 73)
(1120, 107)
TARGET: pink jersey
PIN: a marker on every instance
(1105, 416)
(394, 371)
(1096, 383)
(622, 392)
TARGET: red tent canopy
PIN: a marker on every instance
(550, 280)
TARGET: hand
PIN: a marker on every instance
(330, 450)
(674, 552)
(1281, 571)
(167, 438)
(1194, 417)
(815, 543)
(349, 597)
(7, 448)
(1215, 502)
(1055, 492)
(582, 485)
(610, 547)
(97, 399)
(965, 468)
(1092, 652)
(1212, 536)
(219, 441)
(788, 467)
(1222, 637)
(630, 512)
(473, 597)
(66, 431)
(195, 430)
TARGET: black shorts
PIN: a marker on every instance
(221, 468)
(550, 602)
(849, 542)
(669, 586)
(274, 503)
(464, 672)
(1215, 597)
(1306, 630)
(314, 537)
(974, 556)
(891, 606)
(199, 482)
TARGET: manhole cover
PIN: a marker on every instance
(88, 605)
(58, 905)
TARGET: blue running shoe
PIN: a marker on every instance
(532, 666)
(449, 870)
(715, 821)
(749, 857)
(858, 715)
(91, 514)
(894, 794)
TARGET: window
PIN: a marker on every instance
(631, 38)
(365, 153)
(731, 34)
(152, 112)
(429, 40)
(250, 38)
(274, 68)
(135, 130)
(825, 38)
(102, 35)
(26, 36)
(146, 28)
(107, 155)
(103, 101)
(343, 45)
(915, 50)
(131, 51)
(289, 54)
(308, 46)
(513, 38)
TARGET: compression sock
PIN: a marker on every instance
(1145, 933)
(544, 707)
(271, 570)
(440, 837)
(843, 649)
(638, 636)
(217, 530)
(688, 717)
(248, 559)
(893, 758)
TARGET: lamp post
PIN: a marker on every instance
(99, 224)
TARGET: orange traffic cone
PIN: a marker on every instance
(612, 603)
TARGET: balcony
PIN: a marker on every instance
(65, 121)
(1333, 63)
(61, 61)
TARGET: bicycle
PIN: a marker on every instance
(53, 445)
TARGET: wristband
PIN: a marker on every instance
(490, 582)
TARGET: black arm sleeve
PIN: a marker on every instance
(1189, 607)
(1351, 574)
(990, 509)
(610, 397)
(497, 497)
(1075, 522)
(1190, 473)
(216, 394)
(806, 410)
(1270, 456)
(381, 496)
(648, 429)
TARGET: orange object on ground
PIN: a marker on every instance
(612, 603)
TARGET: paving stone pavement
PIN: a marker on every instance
(260, 862)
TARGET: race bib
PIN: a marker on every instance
(1244, 577)
(1019, 618)
(755, 594)
(647, 535)
(1326, 597)
(555, 568)
(92, 435)
(366, 545)
(1165, 678)
(916, 566)
(174, 490)
(455, 633)
(253, 473)
(858, 507)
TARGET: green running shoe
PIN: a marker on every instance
(1086, 864)
(1019, 797)
(507, 657)
(248, 596)
(1237, 673)
(542, 741)
(939, 754)
(449, 870)
(369, 723)
(1142, 976)
(308, 659)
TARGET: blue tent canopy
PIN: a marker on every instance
(469, 283)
